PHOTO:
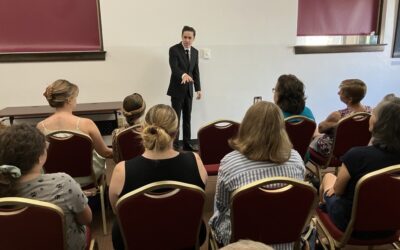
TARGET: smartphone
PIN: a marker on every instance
(257, 99)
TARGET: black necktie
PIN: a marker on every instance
(187, 54)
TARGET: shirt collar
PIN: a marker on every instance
(186, 48)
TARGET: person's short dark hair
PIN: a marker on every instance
(386, 130)
(389, 97)
(21, 146)
(290, 94)
(188, 28)
(355, 89)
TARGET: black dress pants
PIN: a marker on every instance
(184, 106)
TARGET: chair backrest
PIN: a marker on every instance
(129, 143)
(272, 210)
(31, 224)
(376, 202)
(213, 140)
(300, 130)
(350, 132)
(70, 152)
(167, 220)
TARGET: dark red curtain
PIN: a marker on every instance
(337, 17)
(49, 25)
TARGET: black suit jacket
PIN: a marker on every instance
(179, 65)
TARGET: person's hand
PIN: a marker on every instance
(330, 192)
(186, 79)
(198, 97)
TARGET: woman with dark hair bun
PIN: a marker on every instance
(22, 155)
(133, 108)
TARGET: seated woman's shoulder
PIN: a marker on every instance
(58, 176)
(295, 157)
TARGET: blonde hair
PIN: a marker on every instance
(262, 134)
(159, 128)
(60, 92)
(133, 108)
(354, 89)
(247, 245)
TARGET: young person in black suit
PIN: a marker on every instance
(184, 63)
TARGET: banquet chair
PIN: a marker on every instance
(300, 130)
(128, 144)
(20, 219)
(72, 153)
(171, 219)
(213, 142)
(350, 132)
(272, 211)
(375, 217)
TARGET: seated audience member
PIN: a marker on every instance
(159, 161)
(62, 95)
(289, 96)
(351, 92)
(247, 245)
(261, 150)
(338, 191)
(133, 109)
(22, 155)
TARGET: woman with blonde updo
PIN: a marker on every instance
(159, 161)
(133, 108)
(62, 95)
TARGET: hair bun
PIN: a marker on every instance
(48, 93)
(153, 130)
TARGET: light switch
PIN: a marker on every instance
(206, 53)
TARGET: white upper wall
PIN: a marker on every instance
(251, 44)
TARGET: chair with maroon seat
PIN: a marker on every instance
(213, 143)
(128, 144)
(374, 211)
(272, 210)
(170, 219)
(300, 130)
(20, 219)
(71, 152)
(351, 131)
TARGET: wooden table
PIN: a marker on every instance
(45, 110)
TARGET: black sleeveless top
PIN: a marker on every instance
(141, 171)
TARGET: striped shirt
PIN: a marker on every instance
(236, 171)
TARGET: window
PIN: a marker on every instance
(338, 26)
(396, 45)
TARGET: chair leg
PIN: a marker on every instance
(319, 173)
(212, 243)
(103, 210)
(326, 241)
